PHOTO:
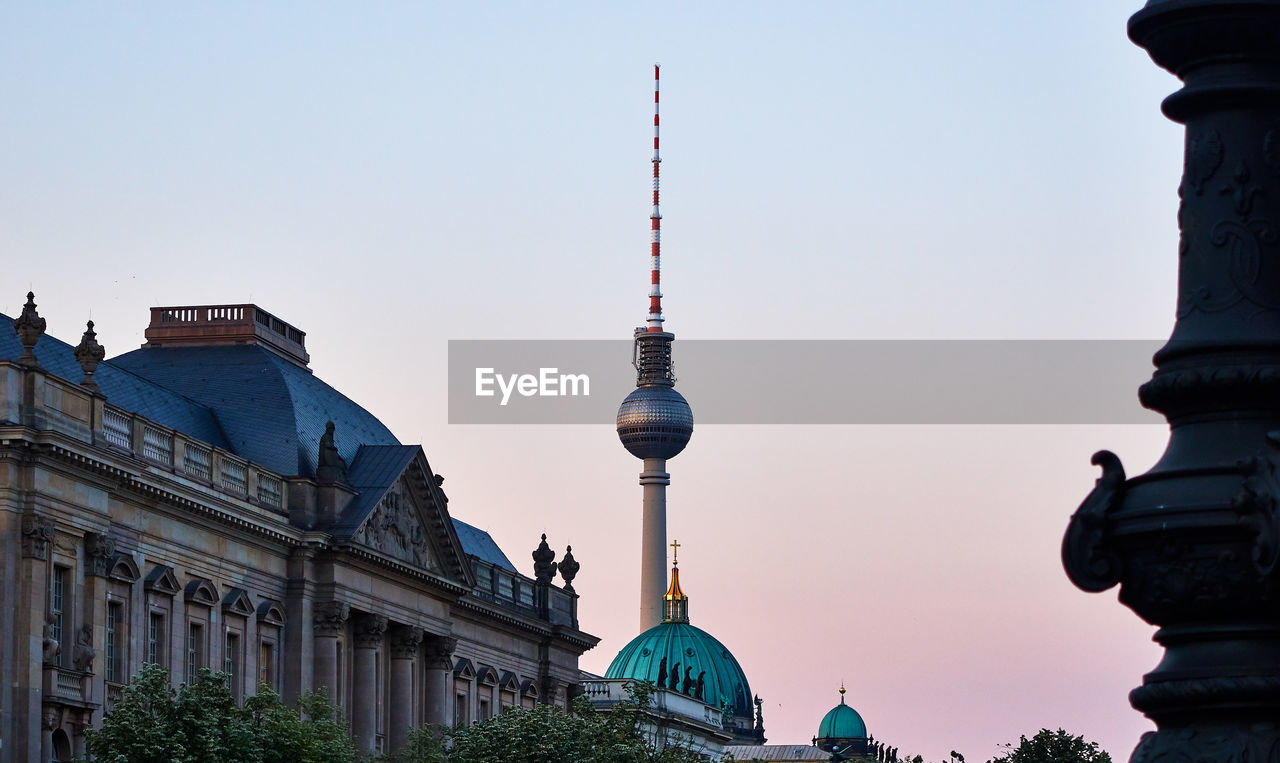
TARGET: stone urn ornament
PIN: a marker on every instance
(29, 327)
(89, 354)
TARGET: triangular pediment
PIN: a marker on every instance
(237, 602)
(162, 580)
(400, 512)
(464, 669)
(509, 682)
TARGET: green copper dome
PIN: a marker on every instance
(842, 723)
(724, 683)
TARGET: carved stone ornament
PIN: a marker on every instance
(89, 354)
(543, 567)
(99, 550)
(405, 643)
(50, 648)
(82, 656)
(439, 651)
(1085, 555)
(395, 530)
(330, 617)
(569, 568)
(29, 327)
(37, 533)
(369, 631)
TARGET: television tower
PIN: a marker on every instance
(654, 422)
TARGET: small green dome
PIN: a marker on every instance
(843, 722)
(691, 647)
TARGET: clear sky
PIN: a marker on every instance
(391, 175)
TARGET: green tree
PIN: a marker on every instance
(547, 734)
(199, 722)
(1052, 747)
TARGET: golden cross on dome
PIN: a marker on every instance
(675, 550)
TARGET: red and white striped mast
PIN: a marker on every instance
(655, 248)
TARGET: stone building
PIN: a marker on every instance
(207, 501)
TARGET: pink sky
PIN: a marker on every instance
(388, 178)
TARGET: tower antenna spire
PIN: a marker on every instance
(655, 223)
(655, 422)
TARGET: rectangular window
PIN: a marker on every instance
(460, 710)
(57, 609)
(155, 638)
(113, 657)
(231, 663)
(195, 650)
(484, 710)
(267, 664)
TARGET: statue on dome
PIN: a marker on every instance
(330, 467)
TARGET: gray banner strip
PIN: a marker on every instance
(811, 381)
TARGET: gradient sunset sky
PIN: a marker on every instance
(388, 176)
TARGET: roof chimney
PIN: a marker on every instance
(213, 325)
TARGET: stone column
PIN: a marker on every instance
(1194, 544)
(405, 642)
(329, 619)
(369, 630)
(438, 669)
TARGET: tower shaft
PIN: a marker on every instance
(653, 541)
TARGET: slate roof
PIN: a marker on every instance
(251, 402)
(272, 411)
(374, 470)
(478, 543)
(122, 388)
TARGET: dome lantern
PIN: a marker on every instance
(842, 732)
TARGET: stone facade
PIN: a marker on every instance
(123, 541)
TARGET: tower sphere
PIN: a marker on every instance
(655, 422)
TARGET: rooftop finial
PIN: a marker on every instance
(29, 327)
(842, 692)
(675, 552)
(89, 354)
(675, 604)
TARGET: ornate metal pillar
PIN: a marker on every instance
(1194, 542)
(369, 630)
(405, 642)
